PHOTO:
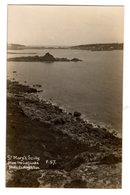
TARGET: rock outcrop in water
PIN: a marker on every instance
(46, 58)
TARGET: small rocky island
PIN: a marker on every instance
(46, 58)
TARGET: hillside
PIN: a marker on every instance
(100, 47)
(92, 47)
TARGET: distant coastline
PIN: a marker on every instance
(90, 47)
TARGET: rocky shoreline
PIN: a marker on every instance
(86, 156)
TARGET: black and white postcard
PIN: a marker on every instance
(64, 96)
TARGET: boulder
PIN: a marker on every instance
(59, 120)
(77, 114)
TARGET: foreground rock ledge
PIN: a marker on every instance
(86, 156)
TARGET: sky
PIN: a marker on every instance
(64, 25)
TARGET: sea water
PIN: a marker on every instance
(92, 86)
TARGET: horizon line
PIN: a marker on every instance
(65, 45)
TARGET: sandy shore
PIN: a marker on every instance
(72, 152)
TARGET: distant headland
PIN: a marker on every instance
(91, 47)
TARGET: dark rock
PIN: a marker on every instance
(47, 123)
(110, 159)
(31, 90)
(76, 184)
(56, 121)
(15, 87)
(37, 85)
(59, 120)
(23, 178)
(48, 57)
(81, 130)
(48, 117)
(77, 114)
(63, 120)
(75, 60)
(89, 126)
(60, 110)
(14, 71)
(78, 119)
(62, 59)
(76, 162)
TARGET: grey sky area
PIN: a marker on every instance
(64, 25)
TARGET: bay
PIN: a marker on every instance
(92, 86)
